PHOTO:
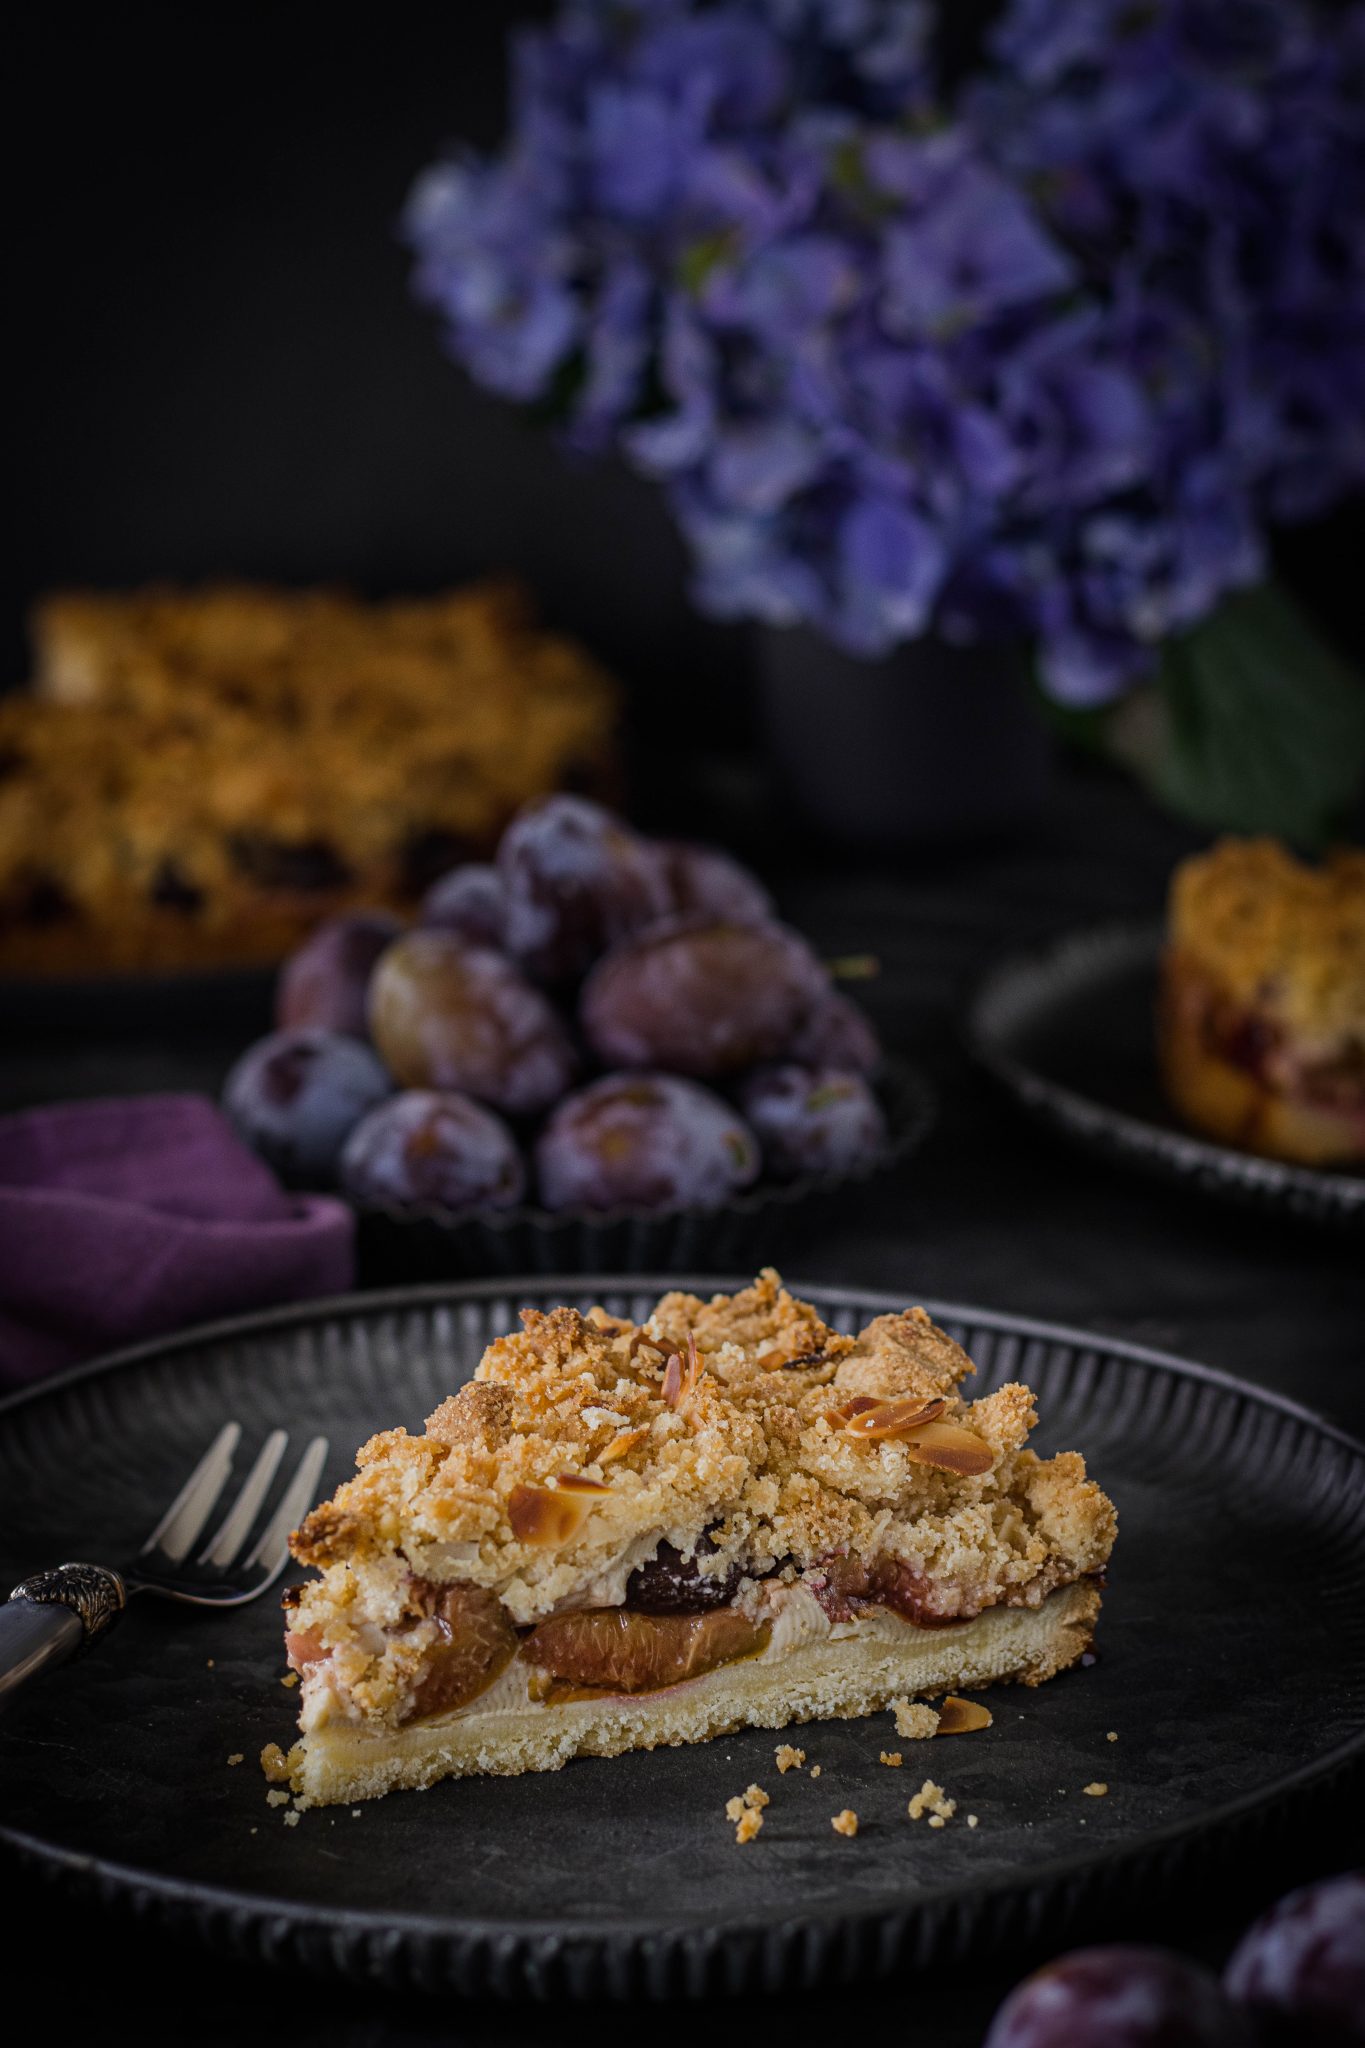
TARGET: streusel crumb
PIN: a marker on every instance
(275, 1764)
(932, 1799)
(235, 1758)
(845, 1823)
(915, 1721)
(750, 1821)
(815, 1770)
(789, 1758)
(891, 1757)
(277, 1798)
(1095, 1791)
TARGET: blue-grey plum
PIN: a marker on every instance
(296, 1096)
(648, 1141)
(427, 1147)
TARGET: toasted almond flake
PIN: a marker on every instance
(950, 1448)
(1112, 1736)
(891, 1757)
(915, 1721)
(546, 1517)
(578, 1482)
(787, 1758)
(887, 1419)
(673, 1380)
(962, 1717)
(619, 1446)
(236, 1757)
(1095, 1791)
(291, 1678)
(845, 1823)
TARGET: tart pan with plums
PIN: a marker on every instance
(597, 1049)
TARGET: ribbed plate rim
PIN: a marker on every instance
(1099, 1126)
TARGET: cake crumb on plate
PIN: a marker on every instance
(845, 1823)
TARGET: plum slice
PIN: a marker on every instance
(614, 1649)
(476, 1641)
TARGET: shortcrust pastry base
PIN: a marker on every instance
(838, 1677)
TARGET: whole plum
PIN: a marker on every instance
(701, 997)
(322, 986)
(837, 1034)
(1119, 1998)
(444, 1014)
(296, 1096)
(812, 1119)
(426, 1147)
(471, 902)
(648, 1141)
(1300, 1971)
(702, 881)
(577, 880)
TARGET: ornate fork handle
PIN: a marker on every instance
(51, 1616)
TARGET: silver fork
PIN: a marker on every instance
(51, 1616)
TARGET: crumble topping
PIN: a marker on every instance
(892, 1757)
(1279, 934)
(845, 1823)
(789, 1758)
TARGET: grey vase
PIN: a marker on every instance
(933, 743)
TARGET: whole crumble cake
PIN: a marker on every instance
(198, 776)
(617, 1536)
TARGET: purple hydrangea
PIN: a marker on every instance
(1042, 357)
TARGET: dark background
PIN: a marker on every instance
(222, 371)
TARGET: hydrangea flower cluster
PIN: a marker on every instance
(1038, 358)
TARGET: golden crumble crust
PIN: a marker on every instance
(741, 1463)
(1277, 933)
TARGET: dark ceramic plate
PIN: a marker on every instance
(398, 1246)
(1069, 1030)
(1233, 1692)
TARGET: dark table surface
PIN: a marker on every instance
(990, 1212)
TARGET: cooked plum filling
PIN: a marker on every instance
(613, 1649)
(476, 1642)
(1257, 1044)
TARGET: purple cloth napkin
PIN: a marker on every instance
(128, 1219)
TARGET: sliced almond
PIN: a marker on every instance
(961, 1717)
(619, 1445)
(950, 1448)
(679, 1380)
(578, 1482)
(892, 1419)
(548, 1516)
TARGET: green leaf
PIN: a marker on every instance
(1254, 724)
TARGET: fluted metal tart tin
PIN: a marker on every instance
(1231, 1667)
(1069, 1029)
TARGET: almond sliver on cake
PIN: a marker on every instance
(617, 1536)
